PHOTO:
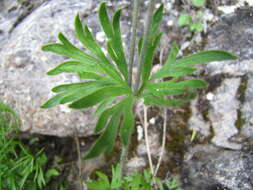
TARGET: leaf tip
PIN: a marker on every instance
(44, 106)
(51, 72)
(77, 19)
(73, 106)
(61, 36)
(45, 47)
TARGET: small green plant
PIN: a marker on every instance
(198, 3)
(109, 80)
(194, 23)
(137, 181)
(19, 168)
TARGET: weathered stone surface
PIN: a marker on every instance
(24, 84)
(12, 12)
(223, 113)
(197, 122)
(233, 95)
(207, 166)
(234, 34)
(228, 113)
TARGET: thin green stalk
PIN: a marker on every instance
(133, 40)
(145, 43)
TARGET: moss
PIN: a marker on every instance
(240, 120)
(242, 88)
(241, 97)
(178, 137)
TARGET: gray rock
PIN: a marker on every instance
(12, 12)
(223, 113)
(197, 122)
(228, 113)
(24, 84)
(207, 166)
(234, 34)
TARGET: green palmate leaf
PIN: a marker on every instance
(75, 67)
(153, 42)
(79, 93)
(117, 44)
(76, 91)
(148, 59)
(65, 41)
(70, 47)
(73, 53)
(99, 96)
(86, 38)
(157, 19)
(165, 92)
(105, 21)
(120, 62)
(104, 104)
(92, 45)
(111, 52)
(154, 100)
(87, 75)
(127, 125)
(68, 87)
(73, 86)
(105, 142)
(104, 119)
(172, 56)
(173, 72)
(191, 83)
(114, 45)
(53, 101)
(106, 65)
(167, 67)
(205, 57)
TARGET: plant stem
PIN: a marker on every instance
(147, 140)
(146, 40)
(135, 14)
(164, 126)
(163, 141)
(133, 40)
